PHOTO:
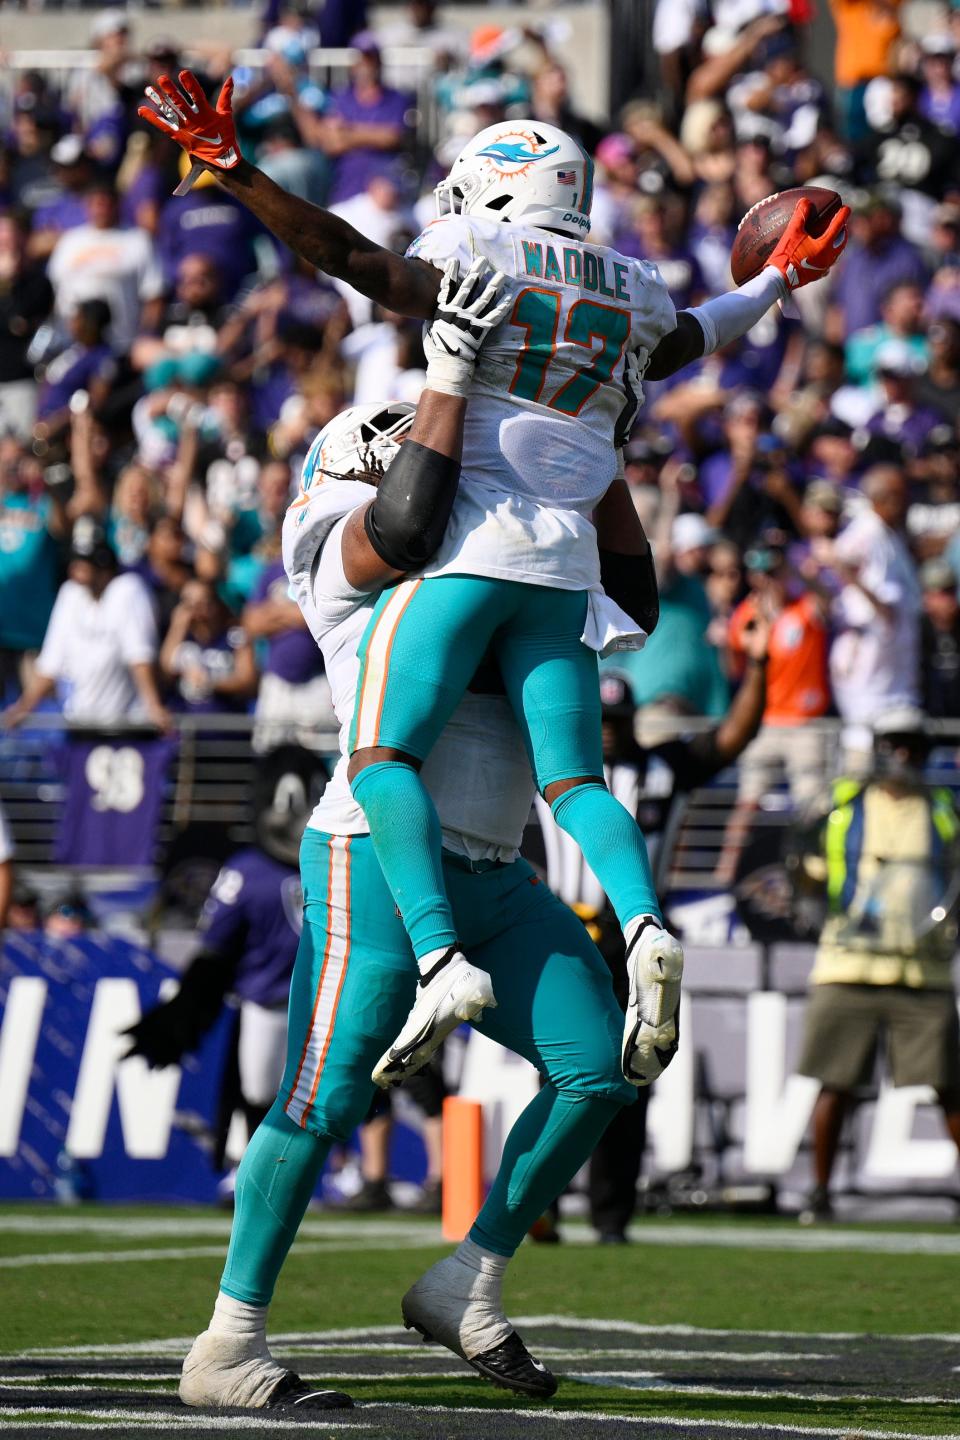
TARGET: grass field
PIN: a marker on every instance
(701, 1328)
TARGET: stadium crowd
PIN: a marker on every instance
(164, 363)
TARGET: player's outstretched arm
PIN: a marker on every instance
(207, 134)
(799, 259)
(402, 528)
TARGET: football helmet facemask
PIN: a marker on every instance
(359, 443)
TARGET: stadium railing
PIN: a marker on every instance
(211, 774)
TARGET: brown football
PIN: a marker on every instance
(764, 223)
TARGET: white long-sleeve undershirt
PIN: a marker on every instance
(727, 317)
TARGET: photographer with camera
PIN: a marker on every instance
(887, 852)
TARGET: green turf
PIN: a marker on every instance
(709, 1286)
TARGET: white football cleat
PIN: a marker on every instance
(651, 1029)
(460, 1308)
(237, 1371)
(455, 991)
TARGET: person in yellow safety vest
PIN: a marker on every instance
(888, 854)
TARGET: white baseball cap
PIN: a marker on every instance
(900, 720)
(109, 22)
(690, 532)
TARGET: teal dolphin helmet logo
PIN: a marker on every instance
(517, 152)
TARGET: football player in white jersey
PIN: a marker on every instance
(519, 569)
(353, 977)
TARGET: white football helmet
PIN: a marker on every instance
(359, 443)
(522, 171)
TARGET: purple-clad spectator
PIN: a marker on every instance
(943, 298)
(782, 97)
(898, 417)
(294, 703)
(299, 344)
(759, 495)
(341, 18)
(209, 222)
(106, 137)
(163, 567)
(743, 421)
(764, 352)
(940, 96)
(145, 197)
(368, 124)
(206, 657)
(88, 364)
(877, 258)
(711, 236)
(36, 124)
(65, 205)
(657, 234)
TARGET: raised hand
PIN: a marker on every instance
(184, 113)
(801, 257)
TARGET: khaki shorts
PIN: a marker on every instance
(796, 753)
(844, 1024)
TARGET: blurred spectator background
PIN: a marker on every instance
(164, 363)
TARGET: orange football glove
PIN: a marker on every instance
(185, 114)
(801, 257)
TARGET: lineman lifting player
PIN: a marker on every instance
(537, 195)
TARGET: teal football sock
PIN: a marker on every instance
(613, 846)
(405, 830)
(552, 1138)
(276, 1179)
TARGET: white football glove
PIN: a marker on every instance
(633, 399)
(467, 311)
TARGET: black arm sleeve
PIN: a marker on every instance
(631, 583)
(681, 347)
(406, 521)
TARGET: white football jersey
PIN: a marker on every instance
(538, 451)
(478, 773)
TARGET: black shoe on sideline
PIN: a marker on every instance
(372, 1196)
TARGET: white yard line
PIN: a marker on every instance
(147, 1420)
(627, 1379)
(57, 1223)
(646, 1380)
(324, 1355)
(736, 1236)
(179, 1344)
(203, 1252)
(636, 1327)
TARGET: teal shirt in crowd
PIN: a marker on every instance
(29, 570)
(676, 659)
